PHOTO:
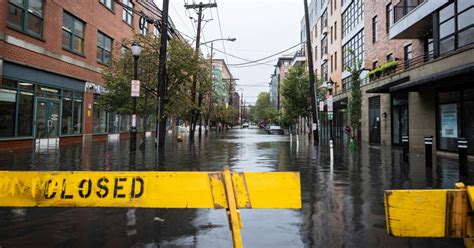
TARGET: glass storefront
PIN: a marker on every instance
(28, 109)
(455, 119)
(99, 117)
(399, 117)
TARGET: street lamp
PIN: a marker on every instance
(136, 50)
(224, 39)
(329, 85)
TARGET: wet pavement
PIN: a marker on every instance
(342, 202)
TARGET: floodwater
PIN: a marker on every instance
(342, 202)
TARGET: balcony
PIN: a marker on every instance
(299, 58)
(413, 18)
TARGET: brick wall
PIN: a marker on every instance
(379, 50)
(95, 15)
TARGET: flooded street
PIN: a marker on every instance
(342, 202)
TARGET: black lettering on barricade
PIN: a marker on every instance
(63, 192)
(137, 180)
(118, 187)
(102, 185)
(81, 188)
(46, 190)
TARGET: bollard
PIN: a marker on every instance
(462, 149)
(429, 151)
(331, 150)
(405, 147)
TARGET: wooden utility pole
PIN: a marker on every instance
(195, 114)
(314, 111)
(161, 118)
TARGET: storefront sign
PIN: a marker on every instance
(449, 121)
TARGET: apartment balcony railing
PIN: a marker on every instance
(404, 7)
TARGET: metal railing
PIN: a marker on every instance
(404, 7)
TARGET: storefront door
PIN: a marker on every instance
(47, 118)
(399, 118)
(374, 120)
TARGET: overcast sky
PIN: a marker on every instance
(262, 28)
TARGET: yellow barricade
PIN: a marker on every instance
(433, 213)
(229, 190)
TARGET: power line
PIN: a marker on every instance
(273, 55)
(222, 36)
(237, 57)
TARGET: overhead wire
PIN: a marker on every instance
(222, 36)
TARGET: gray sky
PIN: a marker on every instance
(262, 28)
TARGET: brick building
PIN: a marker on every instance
(417, 58)
(51, 57)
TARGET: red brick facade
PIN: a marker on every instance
(47, 53)
(384, 46)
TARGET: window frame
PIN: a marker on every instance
(103, 3)
(72, 35)
(456, 31)
(128, 13)
(24, 18)
(374, 29)
(104, 49)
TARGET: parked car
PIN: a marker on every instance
(245, 125)
(275, 130)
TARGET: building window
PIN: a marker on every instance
(156, 31)
(99, 117)
(356, 44)
(374, 29)
(456, 26)
(26, 16)
(407, 55)
(335, 30)
(335, 60)
(324, 20)
(332, 32)
(389, 57)
(73, 34)
(108, 3)
(315, 51)
(324, 71)
(8, 101)
(331, 62)
(324, 46)
(388, 17)
(127, 14)
(374, 64)
(72, 113)
(104, 48)
(352, 16)
(144, 30)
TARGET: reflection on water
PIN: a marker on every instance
(342, 202)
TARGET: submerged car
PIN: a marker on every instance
(275, 130)
(245, 125)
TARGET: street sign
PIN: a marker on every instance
(148, 189)
(329, 99)
(330, 116)
(314, 126)
(321, 106)
(135, 88)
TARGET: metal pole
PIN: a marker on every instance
(161, 127)
(462, 149)
(133, 130)
(210, 93)
(429, 151)
(405, 148)
(194, 87)
(311, 74)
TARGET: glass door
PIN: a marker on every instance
(47, 118)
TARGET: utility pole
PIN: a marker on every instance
(311, 75)
(242, 109)
(210, 93)
(195, 116)
(161, 118)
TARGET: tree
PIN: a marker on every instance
(355, 99)
(180, 67)
(296, 95)
(264, 110)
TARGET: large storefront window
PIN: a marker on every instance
(455, 119)
(72, 113)
(54, 108)
(8, 98)
(99, 119)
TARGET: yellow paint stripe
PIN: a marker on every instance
(147, 189)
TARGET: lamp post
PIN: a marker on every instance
(136, 50)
